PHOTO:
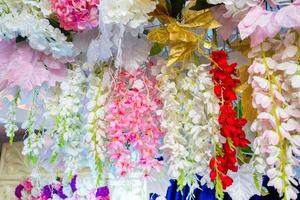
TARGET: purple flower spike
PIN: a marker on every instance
(73, 183)
(47, 192)
(102, 192)
(18, 191)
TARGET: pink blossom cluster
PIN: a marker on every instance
(133, 126)
(276, 96)
(22, 66)
(260, 23)
(77, 15)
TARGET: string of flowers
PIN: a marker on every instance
(11, 124)
(69, 125)
(76, 15)
(133, 126)
(98, 94)
(189, 118)
(275, 83)
(231, 127)
(34, 141)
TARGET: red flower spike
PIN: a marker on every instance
(231, 126)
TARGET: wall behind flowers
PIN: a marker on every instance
(203, 92)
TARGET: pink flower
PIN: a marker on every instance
(22, 66)
(133, 125)
(76, 15)
(27, 185)
(259, 24)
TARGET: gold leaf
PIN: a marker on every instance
(162, 14)
(249, 112)
(199, 19)
(242, 46)
(245, 89)
(179, 34)
(159, 35)
(183, 43)
(181, 51)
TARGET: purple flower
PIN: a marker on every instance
(47, 191)
(18, 191)
(73, 183)
(61, 194)
(102, 192)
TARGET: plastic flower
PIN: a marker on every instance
(276, 99)
(133, 126)
(132, 13)
(231, 127)
(76, 15)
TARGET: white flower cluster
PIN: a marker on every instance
(132, 13)
(98, 93)
(34, 141)
(11, 122)
(38, 31)
(69, 125)
(276, 96)
(190, 117)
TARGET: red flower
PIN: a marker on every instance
(231, 126)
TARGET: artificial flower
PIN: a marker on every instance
(133, 126)
(76, 15)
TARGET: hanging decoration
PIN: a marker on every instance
(207, 90)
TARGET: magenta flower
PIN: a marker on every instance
(77, 15)
(27, 185)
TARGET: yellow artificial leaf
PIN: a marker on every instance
(181, 51)
(249, 112)
(159, 35)
(245, 89)
(199, 19)
(183, 43)
(242, 46)
(179, 34)
(162, 14)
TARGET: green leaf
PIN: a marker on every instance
(197, 59)
(201, 5)
(155, 50)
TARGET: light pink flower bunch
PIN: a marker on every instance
(260, 23)
(276, 96)
(77, 15)
(133, 126)
(22, 66)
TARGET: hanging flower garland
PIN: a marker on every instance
(275, 82)
(231, 127)
(98, 95)
(133, 126)
(76, 15)
(68, 130)
(189, 116)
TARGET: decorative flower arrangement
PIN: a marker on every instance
(68, 131)
(98, 95)
(76, 15)
(276, 82)
(60, 189)
(231, 127)
(189, 116)
(133, 127)
(117, 119)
